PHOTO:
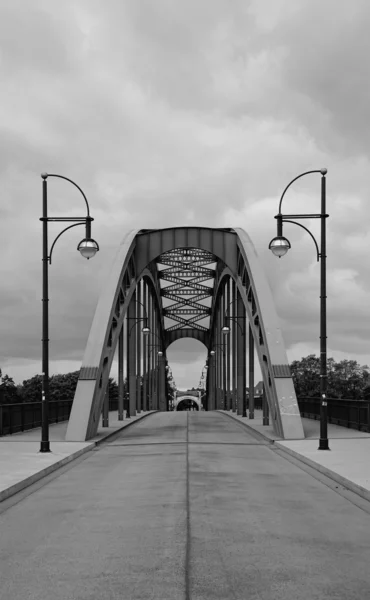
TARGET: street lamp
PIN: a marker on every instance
(225, 329)
(88, 248)
(145, 330)
(280, 246)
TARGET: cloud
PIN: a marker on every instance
(182, 114)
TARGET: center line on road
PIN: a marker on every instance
(188, 533)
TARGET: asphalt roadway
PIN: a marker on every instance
(184, 505)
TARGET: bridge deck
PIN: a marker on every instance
(185, 505)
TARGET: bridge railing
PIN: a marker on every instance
(23, 416)
(354, 414)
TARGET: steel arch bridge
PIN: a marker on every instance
(182, 282)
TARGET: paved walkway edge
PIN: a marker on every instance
(21, 485)
(353, 487)
(252, 431)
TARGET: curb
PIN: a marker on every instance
(347, 483)
(112, 433)
(251, 430)
(21, 485)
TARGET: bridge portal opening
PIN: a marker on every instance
(187, 405)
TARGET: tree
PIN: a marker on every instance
(63, 387)
(349, 380)
(32, 389)
(346, 379)
(306, 376)
(8, 390)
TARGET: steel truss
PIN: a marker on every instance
(186, 271)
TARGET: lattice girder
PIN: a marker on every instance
(186, 270)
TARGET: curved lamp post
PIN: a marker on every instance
(280, 246)
(88, 248)
(225, 329)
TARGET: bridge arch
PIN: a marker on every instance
(184, 258)
(185, 398)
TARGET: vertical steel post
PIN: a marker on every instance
(106, 407)
(126, 329)
(155, 360)
(138, 348)
(131, 356)
(162, 383)
(227, 352)
(241, 344)
(45, 444)
(211, 382)
(145, 352)
(324, 442)
(120, 375)
(157, 365)
(151, 374)
(265, 407)
(223, 348)
(234, 350)
(251, 372)
(219, 359)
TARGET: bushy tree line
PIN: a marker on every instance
(346, 379)
(61, 387)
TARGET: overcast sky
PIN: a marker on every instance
(170, 113)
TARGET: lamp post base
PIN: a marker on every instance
(45, 447)
(323, 444)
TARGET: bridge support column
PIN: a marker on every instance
(218, 363)
(234, 328)
(155, 359)
(241, 357)
(211, 383)
(151, 357)
(161, 384)
(138, 348)
(120, 375)
(223, 346)
(131, 356)
(251, 372)
(106, 407)
(265, 408)
(145, 368)
(227, 352)
(155, 393)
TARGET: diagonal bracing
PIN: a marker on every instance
(187, 273)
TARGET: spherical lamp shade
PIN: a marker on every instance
(88, 248)
(145, 330)
(160, 353)
(225, 330)
(279, 246)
